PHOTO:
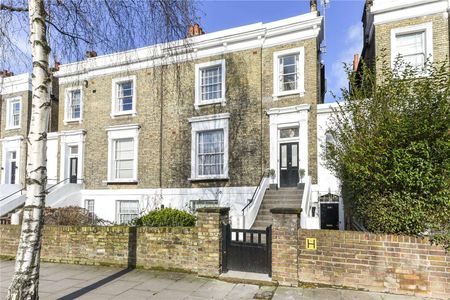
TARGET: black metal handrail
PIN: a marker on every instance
(46, 190)
(254, 193)
(12, 194)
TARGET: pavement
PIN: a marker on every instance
(62, 281)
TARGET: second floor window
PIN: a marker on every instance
(411, 48)
(74, 104)
(288, 73)
(124, 96)
(14, 111)
(210, 83)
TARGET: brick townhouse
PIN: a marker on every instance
(201, 121)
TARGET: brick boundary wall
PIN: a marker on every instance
(190, 249)
(375, 262)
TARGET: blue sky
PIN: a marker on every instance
(343, 27)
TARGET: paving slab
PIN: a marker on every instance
(66, 282)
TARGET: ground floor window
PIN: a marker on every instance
(209, 152)
(127, 210)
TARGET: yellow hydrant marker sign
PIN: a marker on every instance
(311, 243)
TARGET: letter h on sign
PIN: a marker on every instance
(311, 243)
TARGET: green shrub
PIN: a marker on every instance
(166, 217)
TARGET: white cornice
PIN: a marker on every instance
(209, 118)
(327, 107)
(289, 109)
(386, 11)
(73, 132)
(12, 138)
(15, 84)
(258, 35)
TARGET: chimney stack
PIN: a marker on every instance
(194, 30)
(313, 5)
(91, 54)
(355, 62)
(6, 73)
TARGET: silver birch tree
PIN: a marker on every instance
(65, 28)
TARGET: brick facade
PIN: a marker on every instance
(165, 102)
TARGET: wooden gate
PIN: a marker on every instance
(247, 250)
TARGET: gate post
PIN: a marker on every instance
(209, 252)
(285, 225)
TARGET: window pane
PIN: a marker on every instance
(74, 104)
(288, 132)
(288, 72)
(125, 95)
(210, 152)
(411, 48)
(211, 83)
(284, 156)
(14, 113)
(127, 211)
(294, 155)
(73, 150)
(124, 159)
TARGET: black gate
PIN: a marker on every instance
(247, 250)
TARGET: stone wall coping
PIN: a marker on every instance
(217, 210)
(286, 211)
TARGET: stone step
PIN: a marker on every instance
(270, 192)
(281, 201)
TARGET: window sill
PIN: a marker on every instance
(79, 121)
(130, 181)
(122, 114)
(209, 178)
(12, 128)
(199, 104)
(289, 93)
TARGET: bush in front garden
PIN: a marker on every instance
(166, 217)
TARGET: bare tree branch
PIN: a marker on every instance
(12, 8)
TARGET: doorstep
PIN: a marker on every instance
(247, 277)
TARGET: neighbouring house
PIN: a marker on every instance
(15, 96)
(415, 30)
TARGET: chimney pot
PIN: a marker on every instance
(6, 73)
(313, 5)
(355, 62)
(194, 30)
(91, 53)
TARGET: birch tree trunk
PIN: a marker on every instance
(25, 282)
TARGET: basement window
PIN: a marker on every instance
(127, 210)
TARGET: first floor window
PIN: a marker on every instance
(74, 104)
(14, 113)
(127, 210)
(411, 48)
(210, 156)
(123, 158)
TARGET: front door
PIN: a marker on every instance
(73, 169)
(11, 166)
(329, 216)
(288, 164)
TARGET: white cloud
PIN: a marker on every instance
(352, 45)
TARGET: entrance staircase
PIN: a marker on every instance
(277, 198)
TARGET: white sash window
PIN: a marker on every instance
(210, 152)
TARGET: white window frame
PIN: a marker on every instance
(118, 209)
(208, 123)
(427, 28)
(118, 133)
(115, 83)
(198, 94)
(9, 119)
(300, 51)
(86, 206)
(67, 106)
